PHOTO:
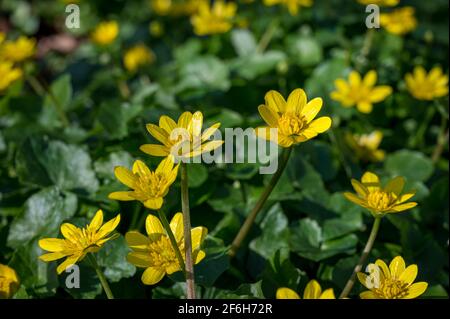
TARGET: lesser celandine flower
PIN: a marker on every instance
(381, 3)
(155, 251)
(393, 282)
(9, 282)
(18, 50)
(148, 187)
(214, 18)
(105, 33)
(183, 138)
(78, 242)
(292, 5)
(360, 92)
(399, 21)
(312, 291)
(380, 200)
(293, 118)
(365, 146)
(425, 86)
(2, 37)
(138, 56)
(8, 74)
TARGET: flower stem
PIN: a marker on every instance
(173, 241)
(442, 139)
(260, 203)
(190, 282)
(373, 234)
(93, 261)
(267, 36)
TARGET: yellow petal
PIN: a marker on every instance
(210, 146)
(139, 259)
(52, 256)
(321, 124)
(198, 234)
(209, 132)
(269, 116)
(275, 101)
(184, 120)
(196, 124)
(153, 225)
(108, 227)
(136, 240)
(176, 225)
(173, 267)
(70, 231)
(384, 269)
(395, 185)
(166, 166)
(370, 181)
(380, 93)
(368, 295)
(328, 294)
(415, 290)
(71, 260)
(125, 176)
(370, 78)
(402, 207)
(198, 256)
(364, 107)
(124, 196)
(312, 290)
(404, 197)
(52, 244)
(434, 74)
(140, 168)
(296, 101)
(152, 275)
(359, 188)
(167, 124)
(286, 293)
(362, 277)
(311, 109)
(355, 199)
(155, 150)
(354, 79)
(97, 221)
(409, 275)
(158, 133)
(397, 267)
(154, 203)
(341, 86)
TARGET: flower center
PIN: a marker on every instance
(150, 185)
(162, 253)
(291, 124)
(392, 289)
(380, 200)
(5, 286)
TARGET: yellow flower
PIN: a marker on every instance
(105, 33)
(183, 138)
(293, 118)
(399, 21)
(312, 291)
(78, 242)
(360, 92)
(366, 146)
(425, 86)
(137, 56)
(148, 187)
(176, 8)
(216, 18)
(292, 5)
(395, 282)
(9, 282)
(381, 3)
(155, 252)
(8, 74)
(378, 200)
(18, 50)
(2, 37)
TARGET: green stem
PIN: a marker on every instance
(41, 90)
(267, 36)
(260, 203)
(173, 241)
(365, 50)
(442, 139)
(190, 281)
(420, 135)
(91, 258)
(373, 235)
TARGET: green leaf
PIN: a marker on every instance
(45, 162)
(197, 174)
(304, 50)
(257, 64)
(112, 258)
(43, 214)
(243, 41)
(412, 165)
(104, 166)
(59, 98)
(114, 117)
